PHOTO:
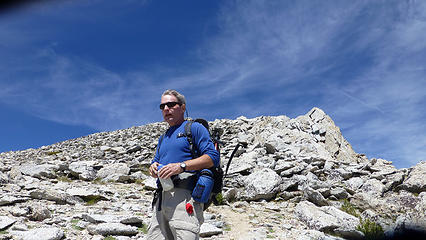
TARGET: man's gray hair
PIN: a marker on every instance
(179, 96)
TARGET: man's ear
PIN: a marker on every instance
(184, 107)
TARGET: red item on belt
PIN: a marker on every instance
(189, 208)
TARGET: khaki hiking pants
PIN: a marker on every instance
(173, 222)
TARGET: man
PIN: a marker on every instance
(176, 214)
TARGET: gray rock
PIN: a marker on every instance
(3, 168)
(416, 179)
(19, 211)
(393, 180)
(373, 216)
(381, 168)
(317, 184)
(383, 174)
(392, 205)
(262, 184)
(125, 219)
(348, 223)
(366, 201)
(417, 219)
(19, 227)
(240, 165)
(328, 165)
(345, 173)
(291, 195)
(15, 173)
(325, 192)
(328, 219)
(314, 217)
(409, 222)
(118, 149)
(105, 148)
(421, 205)
(39, 171)
(310, 235)
(298, 168)
(293, 183)
(114, 172)
(40, 234)
(6, 222)
(133, 149)
(208, 230)
(83, 170)
(3, 178)
(150, 183)
(82, 191)
(138, 176)
(58, 197)
(123, 238)
(11, 200)
(39, 213)
(339, 193)
(98, 218)
(82, 224)
(354, 183)
(270, 149)
(106, 229)
(403, 200)
(85, 193)
(373, 187)
(97, 237)
(335, 144)
(230, 194)
(315, 197)
(283, 165)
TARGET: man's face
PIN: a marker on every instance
(173, 115)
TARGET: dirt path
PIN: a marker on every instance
(256, 221)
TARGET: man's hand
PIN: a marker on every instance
(153, 169)
(170, 170)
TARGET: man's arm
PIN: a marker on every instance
(199, 163)
(204, 144)
(194, 164)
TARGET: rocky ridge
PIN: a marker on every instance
(296, 179)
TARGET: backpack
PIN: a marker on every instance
(218, 173)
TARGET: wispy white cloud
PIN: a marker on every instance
(393, 87)
(74, 91)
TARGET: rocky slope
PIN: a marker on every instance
(296, 179)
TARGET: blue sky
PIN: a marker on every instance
(71, 68)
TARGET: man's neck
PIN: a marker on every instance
(177, 123)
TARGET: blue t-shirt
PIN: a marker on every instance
(174, 146)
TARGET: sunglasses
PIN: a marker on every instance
(169, 105)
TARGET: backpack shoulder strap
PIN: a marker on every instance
(188, 134)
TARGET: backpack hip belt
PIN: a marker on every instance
(185, 180)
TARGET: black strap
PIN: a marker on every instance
(187, 182)
(157, 196)
(188, 135)
(232, 156)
